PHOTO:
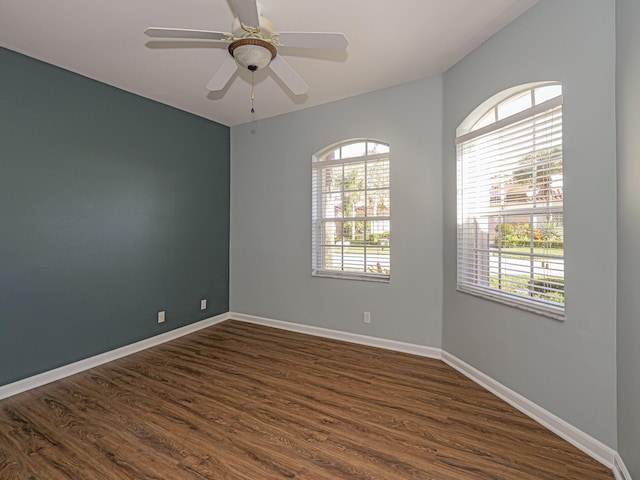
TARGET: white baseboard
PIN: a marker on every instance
(619, 469)
(423, 351)
(589, 445)
(91, 362)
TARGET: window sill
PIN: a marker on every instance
(556, 313)
(353, 276)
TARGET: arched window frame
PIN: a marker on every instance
(351, 211)
(510, 177)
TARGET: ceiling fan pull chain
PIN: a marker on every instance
(253, 95)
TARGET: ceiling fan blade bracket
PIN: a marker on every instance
(252, 31)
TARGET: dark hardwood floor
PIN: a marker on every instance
(240, 401)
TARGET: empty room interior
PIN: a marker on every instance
(351, 260)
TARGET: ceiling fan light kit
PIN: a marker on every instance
(252, 53)
(254, 45)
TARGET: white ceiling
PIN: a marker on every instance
(390, 43)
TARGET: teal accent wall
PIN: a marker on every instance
(112, 208)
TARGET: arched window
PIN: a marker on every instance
(352, 211)
(510, 199)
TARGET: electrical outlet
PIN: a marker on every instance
(366, 318)
(161, 317)
(203, 304)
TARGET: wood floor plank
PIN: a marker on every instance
(246, 402)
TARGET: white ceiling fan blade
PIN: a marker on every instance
(247, 11)
(327, 40)
(223, 75)
(289, 77)
(184, 33)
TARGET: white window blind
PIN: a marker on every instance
(510, 205)
(351, 211)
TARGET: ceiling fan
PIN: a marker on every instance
(253, 44)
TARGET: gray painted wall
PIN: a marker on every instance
(628, 118)
(112, 207)
(271, 216)
(567, 367)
